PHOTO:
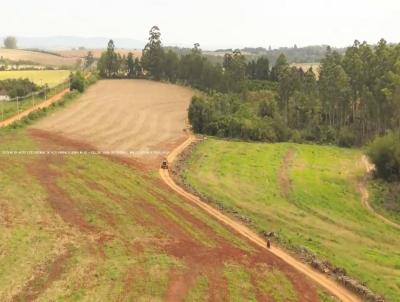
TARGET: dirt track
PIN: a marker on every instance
(137, 116)
(365, 195)
(319, 278)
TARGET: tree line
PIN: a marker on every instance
(193, 68)
(355, 97)
(352, 98)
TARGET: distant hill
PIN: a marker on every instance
(68, 42)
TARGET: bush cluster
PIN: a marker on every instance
(385, 154)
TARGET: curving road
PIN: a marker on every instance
(339, 291)
(365, 195)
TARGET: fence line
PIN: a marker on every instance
(16, 105)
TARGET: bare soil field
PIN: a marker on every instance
(80, 53)
(136, 116)
(37, 57)
(306, 66)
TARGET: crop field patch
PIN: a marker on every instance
(39, 77)
(44, 59)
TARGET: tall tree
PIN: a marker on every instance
(153, 54)
(191, 67)
(334, 90)
(171, 66)
(280, 66)
(89, 59)
(109, 62)
(131, 65)
(137, 68)
(235, 70)
(262, 68)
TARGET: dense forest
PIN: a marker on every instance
(354, 97)
(308, 54)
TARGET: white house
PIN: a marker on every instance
(4, 96)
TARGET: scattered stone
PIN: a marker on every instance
(357, 287)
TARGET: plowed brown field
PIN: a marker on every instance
(136, 116)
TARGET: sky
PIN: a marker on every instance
(212, 23)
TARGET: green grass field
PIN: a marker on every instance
(39, 77)
(308, 195)
(93, 228)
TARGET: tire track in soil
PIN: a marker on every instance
(57, 198)
(283, 174)
(179, 285)
(43, 280)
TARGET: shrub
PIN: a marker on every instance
(346, 138)
(266, 108)
(77, 81)
(326, 134)
(296, 137)
(18, 87)
(385, 154)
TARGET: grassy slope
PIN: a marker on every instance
(39, 77)
(322, 211)
(94, 238)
